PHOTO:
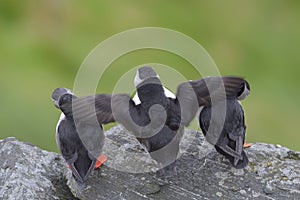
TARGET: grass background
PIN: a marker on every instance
(44, 42)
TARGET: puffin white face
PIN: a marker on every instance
(137, 79)
(168, 94)
(143, 74)
(245, 93)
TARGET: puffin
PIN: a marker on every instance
(158, 121)
(231, 136)
(81, 156)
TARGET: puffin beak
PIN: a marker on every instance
(55, 103)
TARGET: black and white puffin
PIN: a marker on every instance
(231, 131)
(158, 121)
(74, 139)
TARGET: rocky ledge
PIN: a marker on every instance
(28, 172)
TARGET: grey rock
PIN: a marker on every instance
(28, 172)
(129, 173)
(268, 189)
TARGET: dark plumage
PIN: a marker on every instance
(74, 139)
(227, 136)
(163, 143)
(175, 113)
(158, 121)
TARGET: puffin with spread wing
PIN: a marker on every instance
(229, 127)
(79, 142)
(157, 121)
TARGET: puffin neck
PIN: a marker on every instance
(151, 92)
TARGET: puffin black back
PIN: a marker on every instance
(69, 142)
(157, 122)
(232, 136)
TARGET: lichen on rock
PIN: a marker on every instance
(28, 172)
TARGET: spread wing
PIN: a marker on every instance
(87, 109)
(121, 108)
(193, 94)
(140, 122)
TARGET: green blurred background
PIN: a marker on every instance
(43, 44)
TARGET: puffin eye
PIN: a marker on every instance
(66, 98)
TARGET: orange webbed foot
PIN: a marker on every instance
(101, 159)
(247, 145)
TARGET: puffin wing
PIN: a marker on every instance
(235, 131)
(140, 122)
(194, 94)
(92, 138)
(230, 140)
(80, 143)
(204, 120)
(233, 148)
(67, 145)
(88, 108)
(105, 109)
(80, 150)
(110, 108)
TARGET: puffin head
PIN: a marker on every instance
(58, 93)
(244, 92)
(146, 75)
